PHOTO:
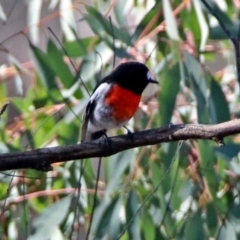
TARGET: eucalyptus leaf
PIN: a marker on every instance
(132, 218)
(51, 217)
(171, 23)
(194, 228)
(170, 81)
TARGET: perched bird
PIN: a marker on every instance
(115, 100)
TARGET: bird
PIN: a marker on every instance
(115, 100)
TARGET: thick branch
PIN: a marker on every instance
(41, 159)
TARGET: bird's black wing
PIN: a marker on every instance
(86, 117)
(85, 136)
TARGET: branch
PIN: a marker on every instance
(41, 159)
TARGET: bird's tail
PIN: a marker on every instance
(85, 135)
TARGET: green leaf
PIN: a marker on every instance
(235, 211)
(78, 48)
(170, 81)
(207, 167)
(50, 218)
(169, 153)
(171, 24)
(147, 225)
(202, 23)
(191, 22)
(194, 228)
(158, 234)
(207, 164)
(117, 165)
(67, 133)
(47, 75)
(57, 64)
(115, 223)
(228, 151)
(218, 104)
(101, 27)
(147, 18)
(218, 12)
(118, 10)
(162, 183)
(106, 217)
(199, 86)
(217, 33)
(211, 218)
(132, 219)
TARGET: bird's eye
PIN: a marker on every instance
(149, 75)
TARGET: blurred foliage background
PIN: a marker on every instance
(180, 190)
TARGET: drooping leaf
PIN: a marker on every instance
(101, 27)
(217, 32)
(194, 227)
(199, 85)
(170, 81)
(117, 165)
(43, 67)
(132, 218)
(202, 23)
(116, 221)
(218, 103)
(57, 64)
(147, 225)
(155, 10)
(50, 218)
(228, 151)
(33, 19)
(211, 218)
(105, 220)
(78, 47)
(171, 23)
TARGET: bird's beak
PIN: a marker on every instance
(152, 81)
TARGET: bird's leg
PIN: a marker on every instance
(129, 133)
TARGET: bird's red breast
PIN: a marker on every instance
(123, 102)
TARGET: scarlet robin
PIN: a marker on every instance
(115, 99)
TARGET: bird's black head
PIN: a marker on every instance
(134, 76)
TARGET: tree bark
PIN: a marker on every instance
(41, 159)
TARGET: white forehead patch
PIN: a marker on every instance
(149, 75)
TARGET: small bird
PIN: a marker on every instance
(115, 100)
